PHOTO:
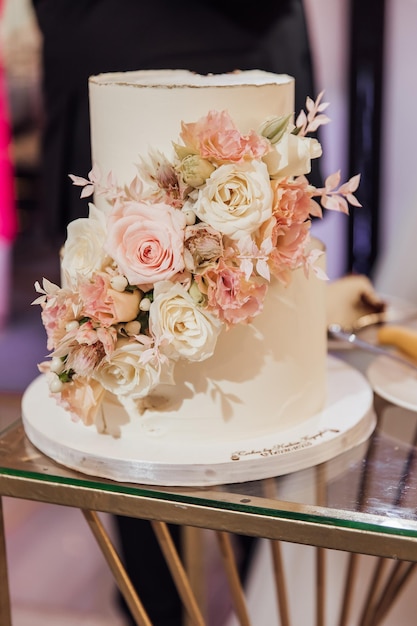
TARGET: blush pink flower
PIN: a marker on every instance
(289, 250)
(59, 307)
(203, 246)
(106, 305)
(82, 399)
(215, 137)
(84, 347)
(292, 201)
(146, 241)
(85, 358)
(230, 296)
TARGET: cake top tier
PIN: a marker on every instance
(133, 113)
(184, 78)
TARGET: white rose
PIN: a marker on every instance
(180, 326)
(83, 250)
(124, 373)
(292, 156)
(236, 199)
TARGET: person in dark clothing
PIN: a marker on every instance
(82, 38)
(94, 36)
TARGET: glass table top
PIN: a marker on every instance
(366, 496)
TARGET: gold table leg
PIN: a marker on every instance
(171, 557)
(280, 582)
(194, 550)
(116, 567)
(400, 574)
(5, 608)
(348, 596)
(373, 591)
(320, 586)
(230, 567)
(178, 572)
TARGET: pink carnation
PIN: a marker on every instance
(293, 202)
(146, 241)
(230, 296)
(289, 250)
(215, 137)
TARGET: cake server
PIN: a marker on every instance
(335, 331)
(382, 317)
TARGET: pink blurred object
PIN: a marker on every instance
(8, 208)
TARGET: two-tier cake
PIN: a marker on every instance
(191, 316)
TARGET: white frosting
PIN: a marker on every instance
(266, 376)
(263, 377)
(185, 78)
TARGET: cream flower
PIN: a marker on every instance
(124, 373)
(292, 156)
(236, 199)
(180, 326)
(83, 251)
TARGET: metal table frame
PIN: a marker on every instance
(250, 508)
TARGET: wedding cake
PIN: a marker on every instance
(192, 308)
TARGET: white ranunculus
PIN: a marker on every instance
(181, 328)
(236, 199)
(83, 251)
(124, 373)
(292, 156)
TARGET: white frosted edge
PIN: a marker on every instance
(184, 78)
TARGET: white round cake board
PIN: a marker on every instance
(347, 420)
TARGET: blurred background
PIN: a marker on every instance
(364, 58)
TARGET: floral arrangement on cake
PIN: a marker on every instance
(186, 250)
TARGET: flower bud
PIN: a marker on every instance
(195, 293)
(132, 328)
(73, 325)
(57, 365)
(119, 282)
(190, 217)
(274, 128)
(145, 304)
(195, 170)
(55, 385)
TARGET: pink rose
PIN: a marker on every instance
(230, 296)
(146, 241)
(215, 137)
